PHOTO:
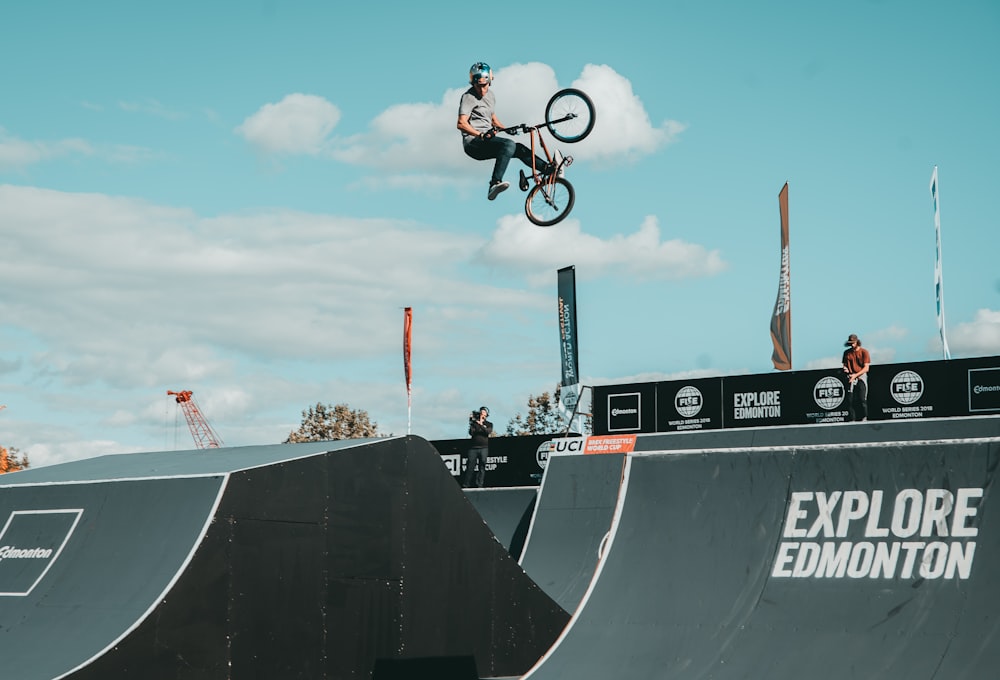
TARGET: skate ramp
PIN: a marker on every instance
(827, 561)
(303, 561)
(507, 512)
(571, 524)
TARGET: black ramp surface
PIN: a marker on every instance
(701, 580)
(507, 512)
(315, 563)
(118, 559)
(572, 520)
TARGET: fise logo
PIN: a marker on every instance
(30, 543)
(688, 401)
(907, 387)
(828, 393)
(624, 412)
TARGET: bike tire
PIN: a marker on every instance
(549, 203)
(563, 103)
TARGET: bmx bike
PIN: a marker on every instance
(569, 117)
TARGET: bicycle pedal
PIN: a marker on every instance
(523, 184)
(567, 160)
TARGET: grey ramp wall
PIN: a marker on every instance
(131, 541)
(507, 511)
(687, 589)
(315, 564)
(576, 504)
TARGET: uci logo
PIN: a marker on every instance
(562, 446)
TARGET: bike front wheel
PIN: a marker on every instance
(549, 203)
(570, 115)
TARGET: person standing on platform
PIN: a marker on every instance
(856, 362)
(480, 430)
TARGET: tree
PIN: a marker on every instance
(543, 416)
(11, 462)
(324, 422)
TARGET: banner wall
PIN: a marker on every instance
(929, 389)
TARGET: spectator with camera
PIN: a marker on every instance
(480, 430)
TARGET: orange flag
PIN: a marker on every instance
(781, 320)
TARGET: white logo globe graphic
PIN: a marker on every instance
(907, 387)
(829, 393)
(688, 401)
(542, 453)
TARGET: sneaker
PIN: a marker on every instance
(497, 189)
(523, 184)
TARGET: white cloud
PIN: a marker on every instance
(623, 129)
(298, 124)
(979, 337)
(419, 140)
(131, 293)
(16, 154)
(518, 244)
(151, 107)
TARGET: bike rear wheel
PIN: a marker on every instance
(570, 115)
(549, 203)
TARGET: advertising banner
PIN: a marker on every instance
(568, 349)
(625, 408)
(511, 461)
(928, 389)
(938, 275)
(984, 390)
(781, 318)
(683, 405)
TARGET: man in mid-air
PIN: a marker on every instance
(478, 123)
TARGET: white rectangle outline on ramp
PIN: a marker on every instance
(67, 511)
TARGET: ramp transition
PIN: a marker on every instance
(320, 560)
(860, 560)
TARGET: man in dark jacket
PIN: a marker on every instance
(480, 430)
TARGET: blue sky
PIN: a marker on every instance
(240, 198)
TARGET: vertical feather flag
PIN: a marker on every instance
(407, 365)
(938, 281)
(569, 391)
(781, 320)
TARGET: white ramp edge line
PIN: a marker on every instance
(764, 448)
(188, 475)
(608, 547)
(173, 581)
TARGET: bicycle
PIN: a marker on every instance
(569, 117)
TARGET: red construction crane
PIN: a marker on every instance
(204, 436)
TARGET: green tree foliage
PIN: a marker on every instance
(543, 416)
(324, 422)
(10, 461)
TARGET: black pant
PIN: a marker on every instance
(502, 150)
(857, 401)
(476, 453)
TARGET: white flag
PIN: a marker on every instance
(938, 283)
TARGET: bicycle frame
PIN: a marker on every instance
(535, 131)
(551, 197)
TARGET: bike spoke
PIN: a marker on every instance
(570, 115)
(549, 202)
